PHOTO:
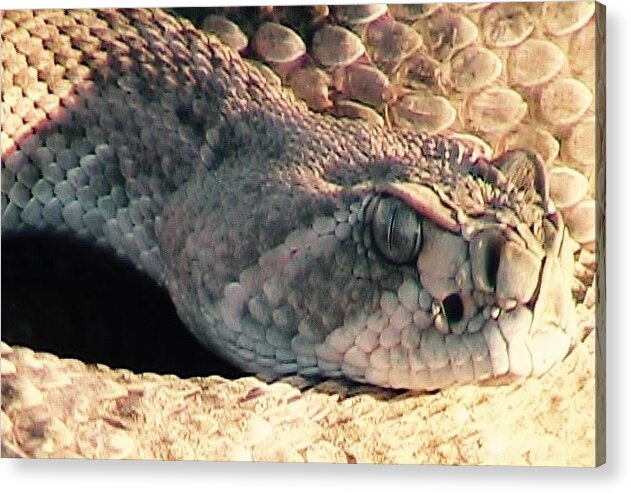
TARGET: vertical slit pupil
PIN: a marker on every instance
(391, 229)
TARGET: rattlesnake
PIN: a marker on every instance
(296, 243)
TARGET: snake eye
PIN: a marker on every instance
(396, 230)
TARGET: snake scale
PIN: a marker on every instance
(294, 243)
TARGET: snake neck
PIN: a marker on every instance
(123, 109)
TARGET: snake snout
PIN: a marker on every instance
(539, 331)
(554, 328)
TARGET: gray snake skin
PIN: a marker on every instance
(294, 243)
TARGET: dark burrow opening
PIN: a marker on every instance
(74, 300)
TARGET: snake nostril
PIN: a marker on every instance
(453, 308)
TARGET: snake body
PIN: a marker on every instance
(291, 242)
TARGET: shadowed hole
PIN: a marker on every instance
(493, 255)
(73, 300)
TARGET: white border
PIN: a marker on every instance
(164, 477)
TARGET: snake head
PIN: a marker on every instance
(414, 277)
(498, 272)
